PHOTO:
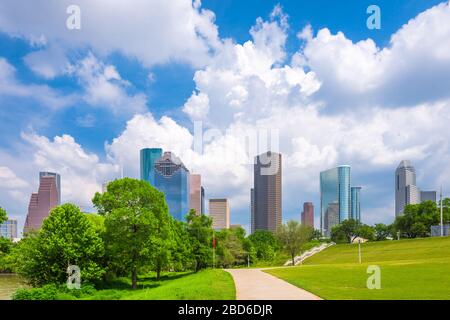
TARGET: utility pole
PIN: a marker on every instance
(214, 250)
(442, 217)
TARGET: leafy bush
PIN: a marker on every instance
(54, 292)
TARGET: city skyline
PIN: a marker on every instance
(336, 93)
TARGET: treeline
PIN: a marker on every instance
(415, 222)
(132, 234)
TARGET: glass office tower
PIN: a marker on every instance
(356, 203)
(334, 195)
(148, 159)
(344, 193)
(172, 178)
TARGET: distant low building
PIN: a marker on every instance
(436, 230)
(219, 211)
(307, 216)
(8, 229)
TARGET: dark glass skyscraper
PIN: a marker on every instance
(266, 194)
(148, 159)
(334, 192)
(172, 178)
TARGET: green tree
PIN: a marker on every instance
(182, 249)
(417, 219)
(293, 236)
(200, 234)
(317, 234)
(265, 243)
(230, 247)
(349, 230)
(66, 238)
(366, 232)
(137, 226)
(3, 216)
(6, 246)
(382, 231)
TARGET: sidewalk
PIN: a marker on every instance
(254, 284)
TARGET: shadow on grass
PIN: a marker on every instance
(144, 282)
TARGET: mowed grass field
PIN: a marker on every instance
(204, 285)
(410, 269)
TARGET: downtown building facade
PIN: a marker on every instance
(167, 173)
(338, 200)
(219, 211)
(47, 197)
(265, 196)
(196, 194)
(406, 189)
(8, 229)
(307, 216)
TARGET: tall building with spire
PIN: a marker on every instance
(406, 189)
(266, 193)
(43, 201)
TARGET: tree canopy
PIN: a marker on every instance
(137, 226)
(293, 236)
(3, 216)
(66, 238)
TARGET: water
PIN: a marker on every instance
(9, 283)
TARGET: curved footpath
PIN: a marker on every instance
(254, 284)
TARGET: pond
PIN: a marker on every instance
(9, 283)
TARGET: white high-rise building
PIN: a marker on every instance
(406, 189)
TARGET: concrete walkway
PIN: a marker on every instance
(254, 284)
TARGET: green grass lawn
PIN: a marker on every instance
(204, 285)
(410, 269)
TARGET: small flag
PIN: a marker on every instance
(214, 243)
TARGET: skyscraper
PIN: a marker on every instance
(335, 190)
(356, 203)
(331, 217)
(307, 216)
(148, 157)
(42, 202)
(172, 178)
(8, 229)
(252, 210)
(219, 211)
(58, 182)
(195, 192)
(266, 210)
(203, 200)
(406, 190)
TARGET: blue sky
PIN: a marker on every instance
(118, 85)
